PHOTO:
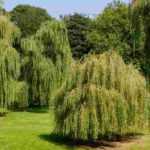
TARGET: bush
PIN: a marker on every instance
(103, 97)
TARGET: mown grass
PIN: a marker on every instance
(28, 131)
(31, 131)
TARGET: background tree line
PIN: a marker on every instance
(113, 29)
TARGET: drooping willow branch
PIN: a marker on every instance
(11, 90)
(103, 97)
(46, 61)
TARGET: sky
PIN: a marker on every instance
(64, 7)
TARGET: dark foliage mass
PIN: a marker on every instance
(78, 27)
(141, 13)
(29, 18)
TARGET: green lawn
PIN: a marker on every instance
(28, 131)
(31, 130)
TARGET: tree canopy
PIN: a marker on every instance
(78, 26)
(11, 89)
(29, 18)
(46, 60)
(113, 28)
(141, 14)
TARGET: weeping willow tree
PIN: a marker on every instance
(10, 88)
(46, 61)
(102, 97)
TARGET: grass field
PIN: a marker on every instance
(31, 131)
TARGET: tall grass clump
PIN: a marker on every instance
(46, 57)
(102, 97)
(9, 65)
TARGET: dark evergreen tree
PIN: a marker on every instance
(78, 26)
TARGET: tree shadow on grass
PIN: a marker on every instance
(38, 110)
(31, 109)
(60, 140)
(55, 138)
(102, 144)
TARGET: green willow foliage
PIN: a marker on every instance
(102, 97)
(46, 58)
(8, 31)
(11, 90)
(42, 62)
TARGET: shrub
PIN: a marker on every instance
(102, 97)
